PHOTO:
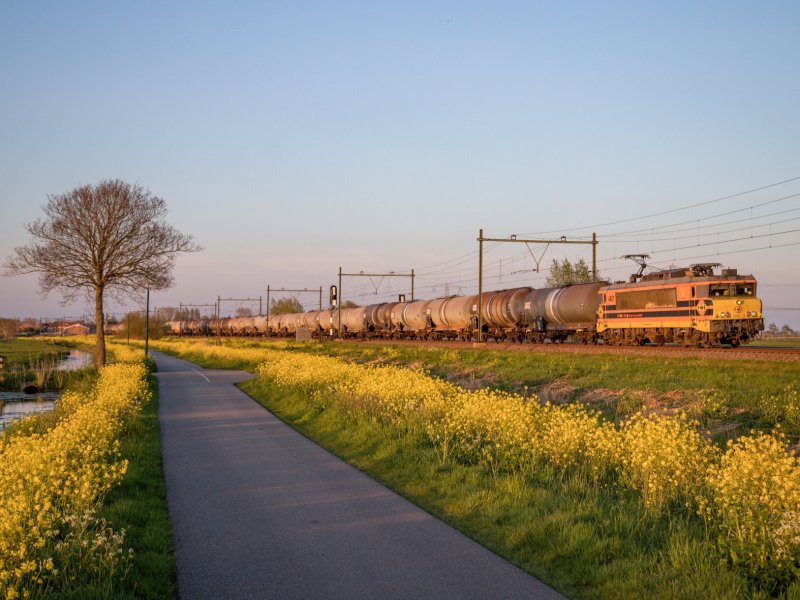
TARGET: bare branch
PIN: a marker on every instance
(111, 237)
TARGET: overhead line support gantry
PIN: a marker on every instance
(514, 240)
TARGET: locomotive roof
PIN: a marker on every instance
(679, 280)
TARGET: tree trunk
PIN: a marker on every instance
(100, 346)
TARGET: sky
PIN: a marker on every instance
(292, 139)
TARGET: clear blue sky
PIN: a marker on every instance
(294, 138)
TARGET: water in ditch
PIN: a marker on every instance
(16, 405)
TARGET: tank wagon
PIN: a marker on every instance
(690, 306)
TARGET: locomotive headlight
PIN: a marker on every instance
(740, 302)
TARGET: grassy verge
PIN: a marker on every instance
(586, 541)
(139, 506)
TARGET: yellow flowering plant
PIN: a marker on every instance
(51, 485)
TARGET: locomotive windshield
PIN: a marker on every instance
(732, 289)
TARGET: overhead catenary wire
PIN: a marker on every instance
(665, 228)
(673, 210)
(706, 231)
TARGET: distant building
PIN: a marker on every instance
(77, 329)
(28, 327)
(67, 328)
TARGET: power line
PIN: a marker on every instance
(771, 246)
(694, 221)
(674, 210)
(708, 233)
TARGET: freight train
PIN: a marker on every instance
(689, 306)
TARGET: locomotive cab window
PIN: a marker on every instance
(745, 289)
(721, 289)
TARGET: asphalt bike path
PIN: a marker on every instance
(259, 511)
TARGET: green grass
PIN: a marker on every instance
(777, 342)
(21, 352)
(585, 541)
(139, 506)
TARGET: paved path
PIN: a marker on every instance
(259, 511)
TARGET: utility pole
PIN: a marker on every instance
(514, 240)
(480, 285)
(147, 326)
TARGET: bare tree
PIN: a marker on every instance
(8, 328)
(243, 311)
(167, 313)
(187, 314)
(108, 238)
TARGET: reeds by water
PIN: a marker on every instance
(42, 372)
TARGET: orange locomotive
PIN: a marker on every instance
(686, 306)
